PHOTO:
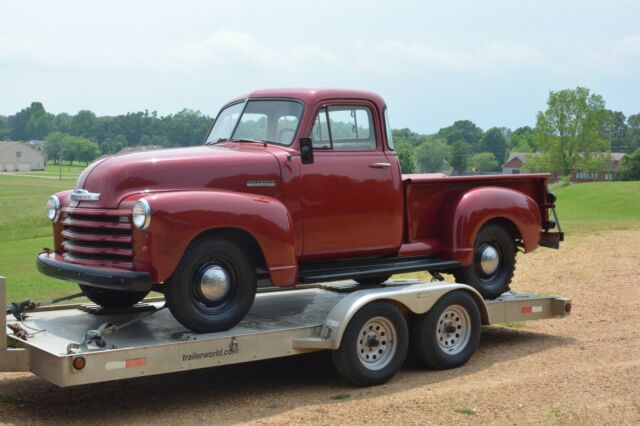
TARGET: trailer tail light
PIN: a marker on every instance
(79, 362)
(567, 308)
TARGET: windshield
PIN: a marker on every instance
(274, 121)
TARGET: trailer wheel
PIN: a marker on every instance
(447, 335)
(374, 345)
(372, 280)
(213, 287)
(494, 262)
(112, 299)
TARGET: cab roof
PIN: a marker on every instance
(312, 95)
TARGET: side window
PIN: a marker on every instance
(344, 128)
(387, 128)
(320, 132)
(351, 128)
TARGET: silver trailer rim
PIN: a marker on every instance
(377, 343)
(454, 329)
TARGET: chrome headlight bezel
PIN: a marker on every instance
(141, 214)
(53, 208)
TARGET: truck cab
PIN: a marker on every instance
(291, 186)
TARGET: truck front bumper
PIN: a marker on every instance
(54, 266)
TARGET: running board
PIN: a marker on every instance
(323, 272)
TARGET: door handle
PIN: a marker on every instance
(380, 165)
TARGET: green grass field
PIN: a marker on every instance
(24, 229)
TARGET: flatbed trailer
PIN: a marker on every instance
(70, 345)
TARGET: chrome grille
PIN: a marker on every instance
(98, 237)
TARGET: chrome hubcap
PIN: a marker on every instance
(377, 343)
(454, 329)
(214, 283)
(489, 259)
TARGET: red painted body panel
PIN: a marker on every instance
(339, 207)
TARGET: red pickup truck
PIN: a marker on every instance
(291, 186)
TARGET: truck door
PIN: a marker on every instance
(350, 200)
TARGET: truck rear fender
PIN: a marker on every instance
(411, 300)
(177, 218)
(471, 210)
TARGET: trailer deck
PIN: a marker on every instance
(279, 324)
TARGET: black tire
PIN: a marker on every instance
(490, 285)
(184, 294)
(112, 299)
(352, 366)
(428, 345)
(372, 280)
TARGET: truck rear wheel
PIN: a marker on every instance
(447, 335)
(494, 262)
(112, 299)
(213, 287)
(374, 345)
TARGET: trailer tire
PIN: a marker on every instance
(112, 299)
(374, 345)
(436, 347)
(213, 287)
(490, 275)
(372, 281)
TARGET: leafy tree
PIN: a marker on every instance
(459, 154)
(482, 162)
(633, 133)
(630, 166)
(53, 146)
(614, 130)
(462, 130)
(522, 140)
(493, 141)
(433, 155)
(84, 123)
(407, 136)
(570, 128)
(23, 128)
(5, 132)
(405, 155)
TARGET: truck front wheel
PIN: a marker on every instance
(494, 262)
(213, 287)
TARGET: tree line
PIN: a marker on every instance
(576, 133)
(84, 136)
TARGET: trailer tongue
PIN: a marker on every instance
(365, 328)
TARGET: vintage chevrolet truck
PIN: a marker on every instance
(291, 186)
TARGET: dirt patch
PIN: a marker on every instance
(583, 369)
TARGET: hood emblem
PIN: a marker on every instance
(84, 195)
(254, 183)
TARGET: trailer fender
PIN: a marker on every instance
(177, 218)
(474, 208)
(410, 298)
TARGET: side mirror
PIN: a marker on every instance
(306, 150)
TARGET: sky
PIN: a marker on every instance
(434, 62)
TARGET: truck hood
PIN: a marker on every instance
(243, 168)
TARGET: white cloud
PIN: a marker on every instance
(401, 57)
(628, 47)
(231, 49)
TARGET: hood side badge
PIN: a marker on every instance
(254, 183)
(84, 195)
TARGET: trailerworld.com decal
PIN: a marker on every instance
(195, 356)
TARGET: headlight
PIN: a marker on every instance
(141, 214)
(53, 208)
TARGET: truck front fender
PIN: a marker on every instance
(469, 211)
(177, 218)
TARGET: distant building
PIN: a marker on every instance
(516, 161)
(20, 157)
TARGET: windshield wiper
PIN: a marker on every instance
(216, 141)
(247, 140)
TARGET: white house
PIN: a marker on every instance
(20, 157)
